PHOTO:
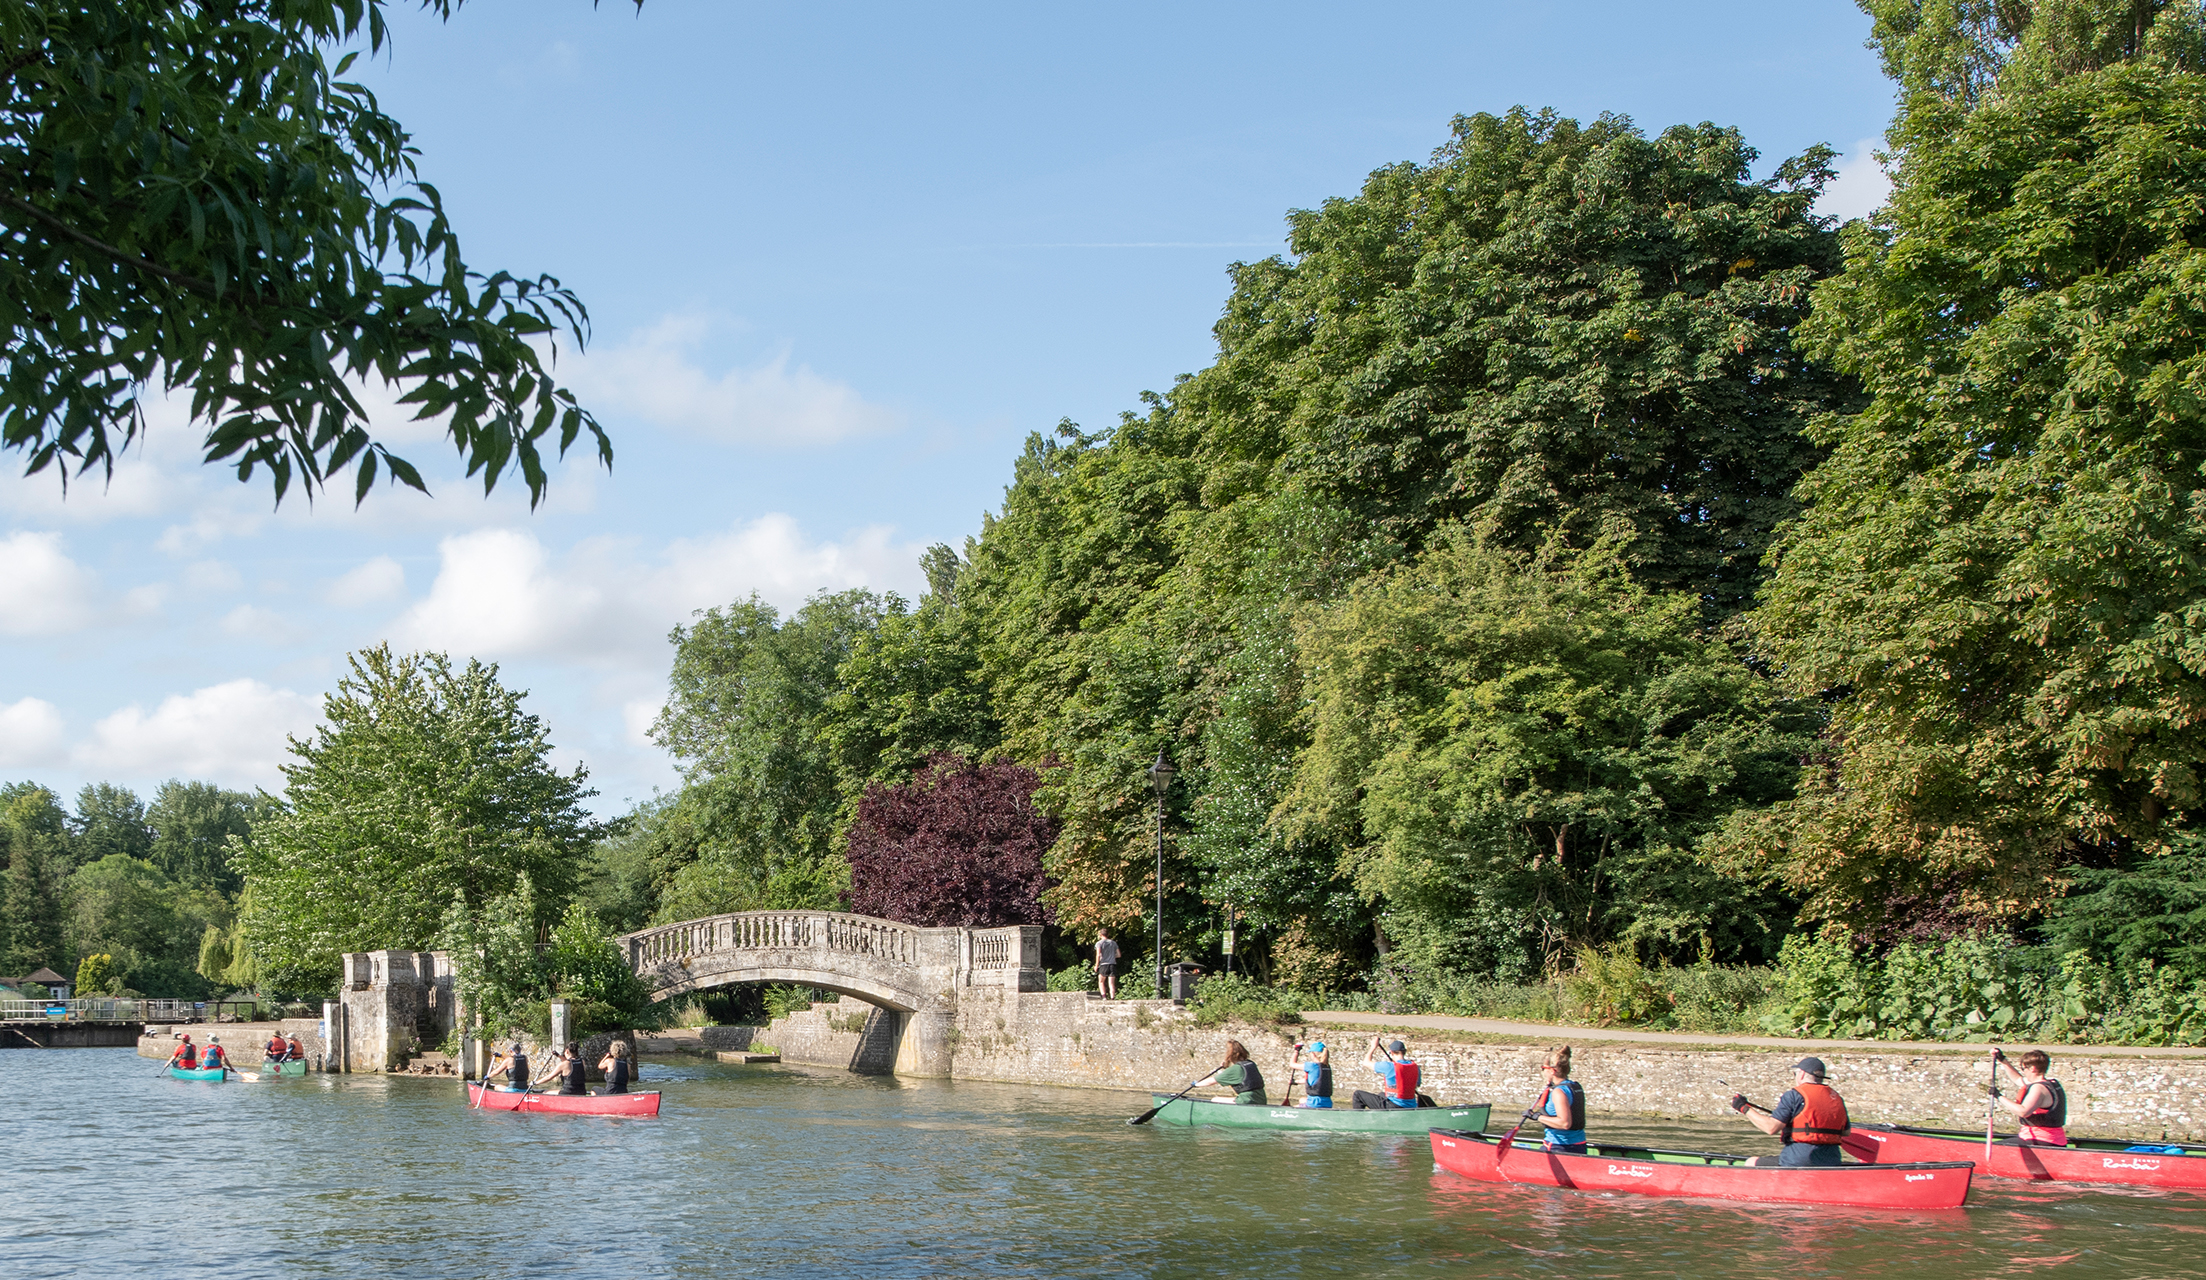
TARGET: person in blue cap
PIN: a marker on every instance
(1317, 1073)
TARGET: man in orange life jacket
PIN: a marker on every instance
(1809, 1118)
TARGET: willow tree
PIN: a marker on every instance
(1998, 581)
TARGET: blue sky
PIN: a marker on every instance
(840, 260)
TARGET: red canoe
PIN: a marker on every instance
(2083, 1160)
(594, 1104)
(1650, 1172)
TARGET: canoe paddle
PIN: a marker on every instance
(1151, 1114)
(1501, 1150)
(1991, 1109)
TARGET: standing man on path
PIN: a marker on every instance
(1106, 965)
(1809, 1118)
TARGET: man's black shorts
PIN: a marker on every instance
(1107, 970)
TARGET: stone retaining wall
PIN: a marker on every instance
(244, 1043)
(1075, 1039)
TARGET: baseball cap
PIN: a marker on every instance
(1813, 1066)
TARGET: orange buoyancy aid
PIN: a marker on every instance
(1406, 1074)
(1823, 1118)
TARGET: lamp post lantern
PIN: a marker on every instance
(1160, 781)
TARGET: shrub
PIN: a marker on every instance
(1226, 998)
(1079, 977)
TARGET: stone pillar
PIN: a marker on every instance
(923, 1045)
(560, 1023)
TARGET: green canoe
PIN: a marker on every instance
(1325, 1119)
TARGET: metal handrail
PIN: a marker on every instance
(98, 1009)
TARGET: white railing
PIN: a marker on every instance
(777, 930)
(98, 1009)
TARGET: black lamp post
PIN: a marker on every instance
(1160, 781)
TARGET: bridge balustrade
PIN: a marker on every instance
(771, 930)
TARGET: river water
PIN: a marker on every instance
(116, 1170)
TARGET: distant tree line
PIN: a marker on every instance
(145, 886)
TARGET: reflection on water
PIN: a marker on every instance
(118, 1170)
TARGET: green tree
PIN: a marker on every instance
(110, 820)
(198, 198)
(497, 973)
(1523, 754)
(33, 825)
(96, 975)
(128, 909)
(1549, 330)
(760, 809)
(193, 824)
(1996, 581)
(424, 781)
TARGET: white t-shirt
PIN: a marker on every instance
(1106, 951)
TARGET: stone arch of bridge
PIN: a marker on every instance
(705, 975)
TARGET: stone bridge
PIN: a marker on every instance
(913, 975)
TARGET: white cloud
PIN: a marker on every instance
(212, 576)
(654, 376)
(376, 581)
(1861, 186)
(499, 594)
(233, 731)
(42, 591)
(30, 733)
(262, 626)
(637, 716)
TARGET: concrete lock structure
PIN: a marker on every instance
(913, 977)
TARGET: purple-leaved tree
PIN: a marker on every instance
(960, 844)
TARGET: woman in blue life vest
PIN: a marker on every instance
(1316, 1074)
(2042, 1106)
(616, 1068)
(1809, 1118)
(1562, 1108)
(213, 1056)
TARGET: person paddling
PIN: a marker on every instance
(573, 1076)
(2041, 1106)
(1809, 1118)
(277, 1051)
(615, 1066)
(1239, 1074)
(1398, 1077)
(295, 1051)
(1317, 1073)
(516, 1068)
(186, 1057)
(213, 1057)
(1562, 1107)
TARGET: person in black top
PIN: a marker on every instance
(615, 1066)
(574, 1076)
(515, 1065)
